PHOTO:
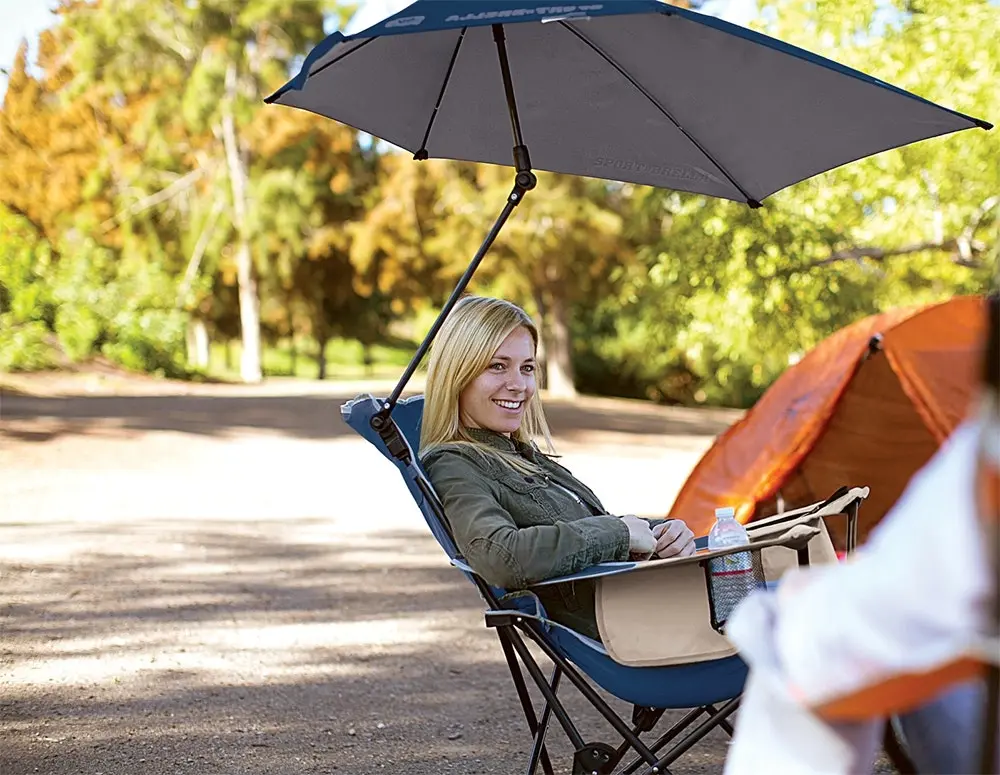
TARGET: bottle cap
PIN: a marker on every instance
(725, 512)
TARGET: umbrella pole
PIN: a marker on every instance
(524, 181)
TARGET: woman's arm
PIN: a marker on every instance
(504, 554)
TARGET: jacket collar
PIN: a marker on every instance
(492, 439)
(501, 442)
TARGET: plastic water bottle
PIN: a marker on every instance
(732, 574)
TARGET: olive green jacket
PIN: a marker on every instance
(516, 529)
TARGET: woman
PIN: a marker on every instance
(517, 516)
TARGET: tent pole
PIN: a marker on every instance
(524, 181)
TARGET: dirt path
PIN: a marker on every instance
(218, 580)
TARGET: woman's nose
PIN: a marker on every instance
(516, 383)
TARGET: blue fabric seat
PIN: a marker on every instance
(672, 687)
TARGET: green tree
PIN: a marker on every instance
(75, 283)
(416, 232)
(26, 312)
(53, 147)
(312, 185)
(208, 65)
(562, 251)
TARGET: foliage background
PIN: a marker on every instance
(153, 210)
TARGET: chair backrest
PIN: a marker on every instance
(407, 415)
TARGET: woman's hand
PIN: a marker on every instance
(641, 541)
(673, 539)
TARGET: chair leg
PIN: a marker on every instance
(695, 735)
(527, 707)
(723, 723)
(538, 747)
(543, 686)
(665, 738)
(852, 527)
(587, 691)
(897, 754)
(643, 720)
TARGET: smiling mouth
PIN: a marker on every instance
(511, 405)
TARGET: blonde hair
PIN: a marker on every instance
(464, 347)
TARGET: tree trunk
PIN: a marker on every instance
(367, 359)
(542, 355)
(321, 356)
(558, 348)
(250, 369)
(290, 317)
(197, 343)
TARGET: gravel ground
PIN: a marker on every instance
(218, 580)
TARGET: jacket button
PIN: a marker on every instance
(529, 479)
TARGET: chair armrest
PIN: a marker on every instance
(844, 501)
(838, 503)
(593, 572)
(795, 538)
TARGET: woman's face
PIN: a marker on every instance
(496, 399)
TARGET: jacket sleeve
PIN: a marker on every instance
(504, 554)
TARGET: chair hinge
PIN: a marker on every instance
(595, 759)
(391, 436)
(502, 618)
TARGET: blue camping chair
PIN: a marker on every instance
(709, 689)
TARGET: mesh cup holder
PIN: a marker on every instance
(729, 580)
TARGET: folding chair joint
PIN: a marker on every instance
(644, 719)
(496, 618)
(595, 759)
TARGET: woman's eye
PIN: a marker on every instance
(496, 366)
(528, 368)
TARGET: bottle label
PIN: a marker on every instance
(737, 563)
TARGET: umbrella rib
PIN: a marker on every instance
(346, 54)
(421, 154)
(645, 93)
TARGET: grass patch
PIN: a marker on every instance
(345, 360)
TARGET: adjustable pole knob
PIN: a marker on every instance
(525, 180)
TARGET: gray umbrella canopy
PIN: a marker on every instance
(636, 91)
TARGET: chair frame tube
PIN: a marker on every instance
(538, 746)
(557, 707)
(537, 728)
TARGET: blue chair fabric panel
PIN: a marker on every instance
(671, 687)
(407, 413)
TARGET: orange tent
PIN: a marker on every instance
(868, 406)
